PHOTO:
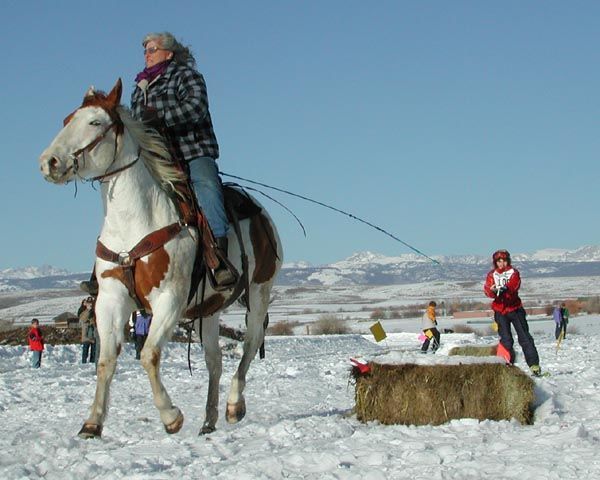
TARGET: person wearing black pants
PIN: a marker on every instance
(502, 284)
(517, 319)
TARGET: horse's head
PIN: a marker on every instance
(86, 146)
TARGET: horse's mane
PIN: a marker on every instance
(154, 152)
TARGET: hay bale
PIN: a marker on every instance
(434, 394)
(474, 350)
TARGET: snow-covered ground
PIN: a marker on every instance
(299, 422)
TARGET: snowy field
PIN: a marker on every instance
(299, 422)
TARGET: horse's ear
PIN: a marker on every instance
(90, 92)
(114, 97)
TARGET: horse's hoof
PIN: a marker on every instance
(176, 425)
(206, 429)
(90, 430)
(235, 412)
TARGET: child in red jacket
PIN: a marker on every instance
(36, 343)
(502, 284)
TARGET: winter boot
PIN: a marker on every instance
(90, 286)
(224, 277)
(536, 371)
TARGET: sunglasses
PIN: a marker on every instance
(152, 50)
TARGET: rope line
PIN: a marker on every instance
(354, 217)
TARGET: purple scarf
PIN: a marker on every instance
(151, 73)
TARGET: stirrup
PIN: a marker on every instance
(224, 267)
(223, 276)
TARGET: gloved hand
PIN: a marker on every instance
(151, 118)
(502, 289)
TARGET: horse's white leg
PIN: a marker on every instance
(258, 306)
(111, 316)
(213, 359)
(166, 313)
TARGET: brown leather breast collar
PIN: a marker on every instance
(127, 260)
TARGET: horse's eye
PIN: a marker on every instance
(95, 123)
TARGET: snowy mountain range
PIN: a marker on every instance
(368, 268)
(364, 268)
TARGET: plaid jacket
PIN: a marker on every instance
(180, 97)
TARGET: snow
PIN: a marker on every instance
(299, 422)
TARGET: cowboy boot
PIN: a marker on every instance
(224, 277)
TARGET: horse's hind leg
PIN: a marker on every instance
(160, 329)
(213, 359)
(255, 334)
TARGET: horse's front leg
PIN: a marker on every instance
(166, 313)
(111, 315)
(214, 365)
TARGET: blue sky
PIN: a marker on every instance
(460, 127)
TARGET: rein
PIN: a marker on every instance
(118, 170)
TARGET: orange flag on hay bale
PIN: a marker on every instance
(378, 331)
(503, 352)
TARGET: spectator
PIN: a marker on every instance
(36, 343)
(87, 320)
(429, 326)
(142, 327)
(502, 284)
(564, 312)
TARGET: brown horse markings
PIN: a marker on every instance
(99, 99)
(148, 275)
(264, 246)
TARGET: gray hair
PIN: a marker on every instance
(181, 55)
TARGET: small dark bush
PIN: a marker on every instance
(377, 314)
(330, 325)
(592, 305)
(281, 328)
(459, 328)
(413, 312)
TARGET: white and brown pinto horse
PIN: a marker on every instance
(100, 140)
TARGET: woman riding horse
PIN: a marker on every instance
(145, 254)
(170, 95)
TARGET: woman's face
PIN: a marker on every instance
(153, 54)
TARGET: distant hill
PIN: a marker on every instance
(364, 268)
(66, 281)
(367, 268)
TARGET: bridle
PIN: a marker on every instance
(115, 124)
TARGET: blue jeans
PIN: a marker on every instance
(36, 358)
(209, 192)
